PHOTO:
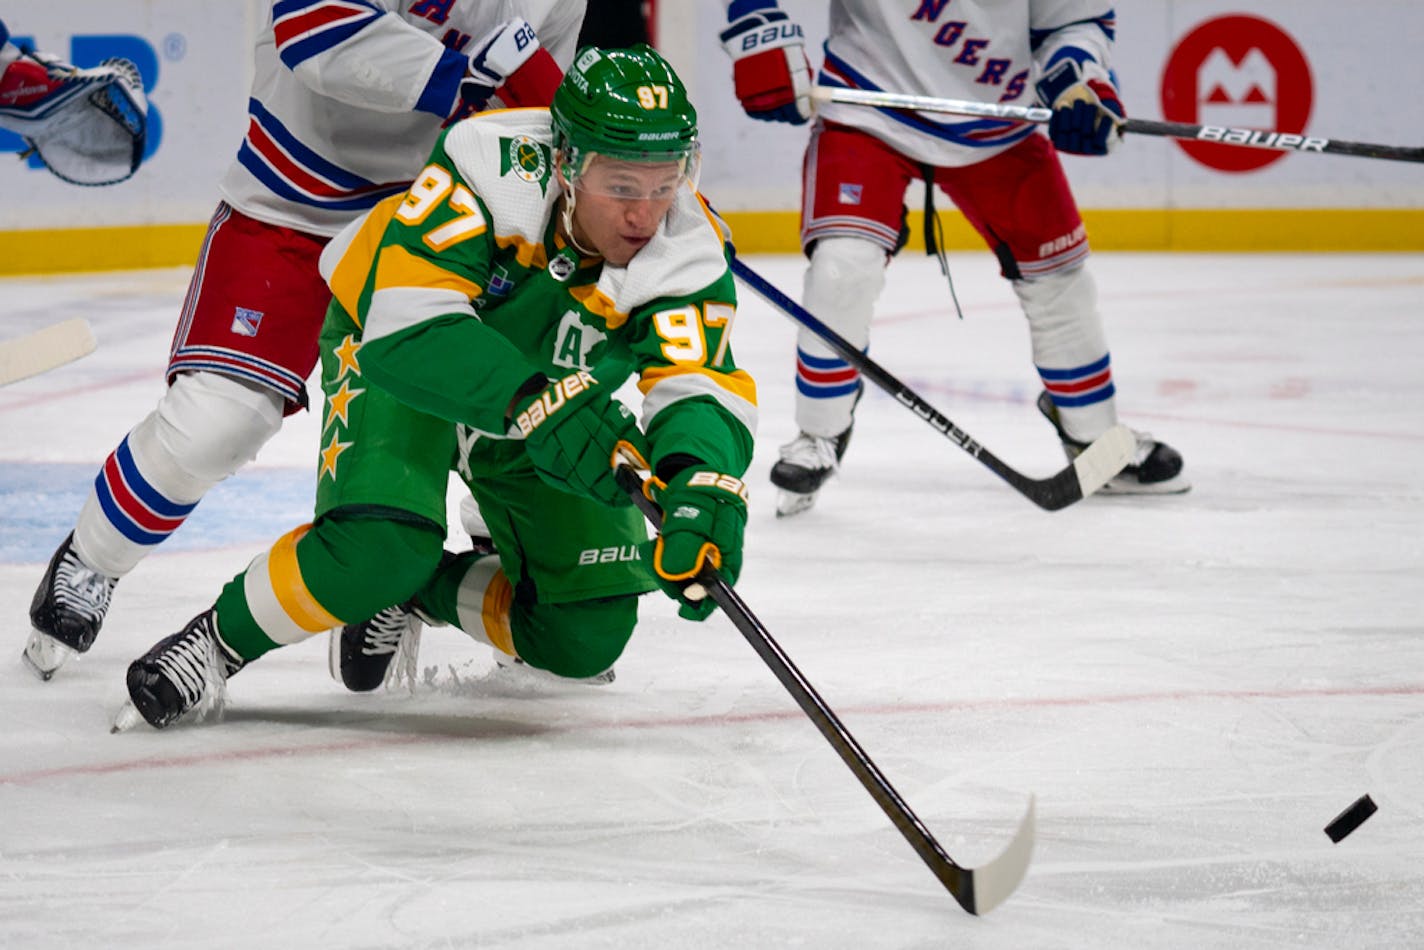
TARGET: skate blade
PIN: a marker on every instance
(44, 654)
(790, 503)
(1127, 486)
(128, 716)
(333, 653)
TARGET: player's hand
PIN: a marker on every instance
(704, 518)
(769, 66)
(509, 61)
(1087, 114)
(574, 433)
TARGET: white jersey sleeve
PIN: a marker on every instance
(1072, 29)
(349, 96)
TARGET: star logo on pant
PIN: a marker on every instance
(330, 453)
(339, 402)
(346, 355)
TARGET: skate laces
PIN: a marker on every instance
(810, 452)
(384, 632)
(81, 590)
(198, 668)
(394, 632)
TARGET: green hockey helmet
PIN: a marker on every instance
(624, 104)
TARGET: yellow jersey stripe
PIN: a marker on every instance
(398, 267)
(738, 383)
(348, 278)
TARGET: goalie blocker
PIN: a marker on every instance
(88, 126)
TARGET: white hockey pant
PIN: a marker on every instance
(204, 429)
(1070, 348)
(842, 284)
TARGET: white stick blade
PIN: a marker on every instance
(45, 349)
(995, 881)
(1108, 455)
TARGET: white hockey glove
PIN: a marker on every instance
(87, 125)
(769, 66)
(1087, 114)
(509, 61)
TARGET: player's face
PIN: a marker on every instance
(620, 205)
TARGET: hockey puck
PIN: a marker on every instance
(1351, 818)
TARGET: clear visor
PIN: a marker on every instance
(650, 177)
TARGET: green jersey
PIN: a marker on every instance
(457, 292)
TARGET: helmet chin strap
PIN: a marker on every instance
(566, 217)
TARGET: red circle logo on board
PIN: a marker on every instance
(1239, 72)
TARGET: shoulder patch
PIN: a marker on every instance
(526, 159)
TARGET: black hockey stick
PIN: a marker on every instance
(1097, 463)
(1221, 135)
(978, 890)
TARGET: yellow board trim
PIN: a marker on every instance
(95, 249)
(777, 232)
(1150, 229)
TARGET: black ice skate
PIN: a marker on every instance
(183, 673)
(360, 654)
(67, 610)
(1155, 469)
(806, 462)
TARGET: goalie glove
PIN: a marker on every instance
(1087, 114)
(509, 61)
(88, 126)
(575, 434)
(769, 66)
(704, 519)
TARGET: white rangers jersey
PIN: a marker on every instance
(982, 50)
(349, 96)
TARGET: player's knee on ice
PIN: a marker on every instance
(576, 640)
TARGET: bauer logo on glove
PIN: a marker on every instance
(704, 518)
(552, 399)
(725, 482)
(769, 67)
(574, 433)
(774, 35)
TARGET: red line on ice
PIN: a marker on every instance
(405, 739)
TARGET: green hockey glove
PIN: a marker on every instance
(574, 433)
(704, 517)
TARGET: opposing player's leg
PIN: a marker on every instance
(853, 198)
(1021, 204)
(242, 352)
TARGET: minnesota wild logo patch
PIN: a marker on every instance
(525, 158)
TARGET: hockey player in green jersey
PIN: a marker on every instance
(480, 323)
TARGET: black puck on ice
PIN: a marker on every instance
(1351, 818)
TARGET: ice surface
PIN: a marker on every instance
(1193, 686)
